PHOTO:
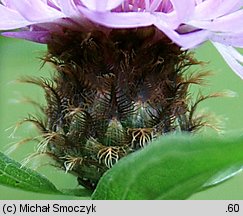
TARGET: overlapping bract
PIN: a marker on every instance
(188, 23)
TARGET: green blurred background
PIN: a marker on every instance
(21, 58)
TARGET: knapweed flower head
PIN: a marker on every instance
(121, 65)
(188, 23)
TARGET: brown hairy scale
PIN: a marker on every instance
(112, 94)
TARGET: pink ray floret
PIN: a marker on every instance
(188, 23)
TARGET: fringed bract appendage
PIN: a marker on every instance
(113, 93)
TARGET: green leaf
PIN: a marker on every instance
(173, 167)
(13, 175)
(80, 192)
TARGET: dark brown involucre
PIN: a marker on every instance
(112, 94)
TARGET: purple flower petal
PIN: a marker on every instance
(211, 9)
(11, 19)
(236, 54)
(36, 10)
(67, 7)
(139, 5)
(161, 6)
(170, 19)
(101, 5)
(229, 23)
(154, 5)
(119, 20)
(229, 39)
(37, 36)
(232, 58)
(183, 9)
(186, 41)
(110, 4)
(52, 3)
